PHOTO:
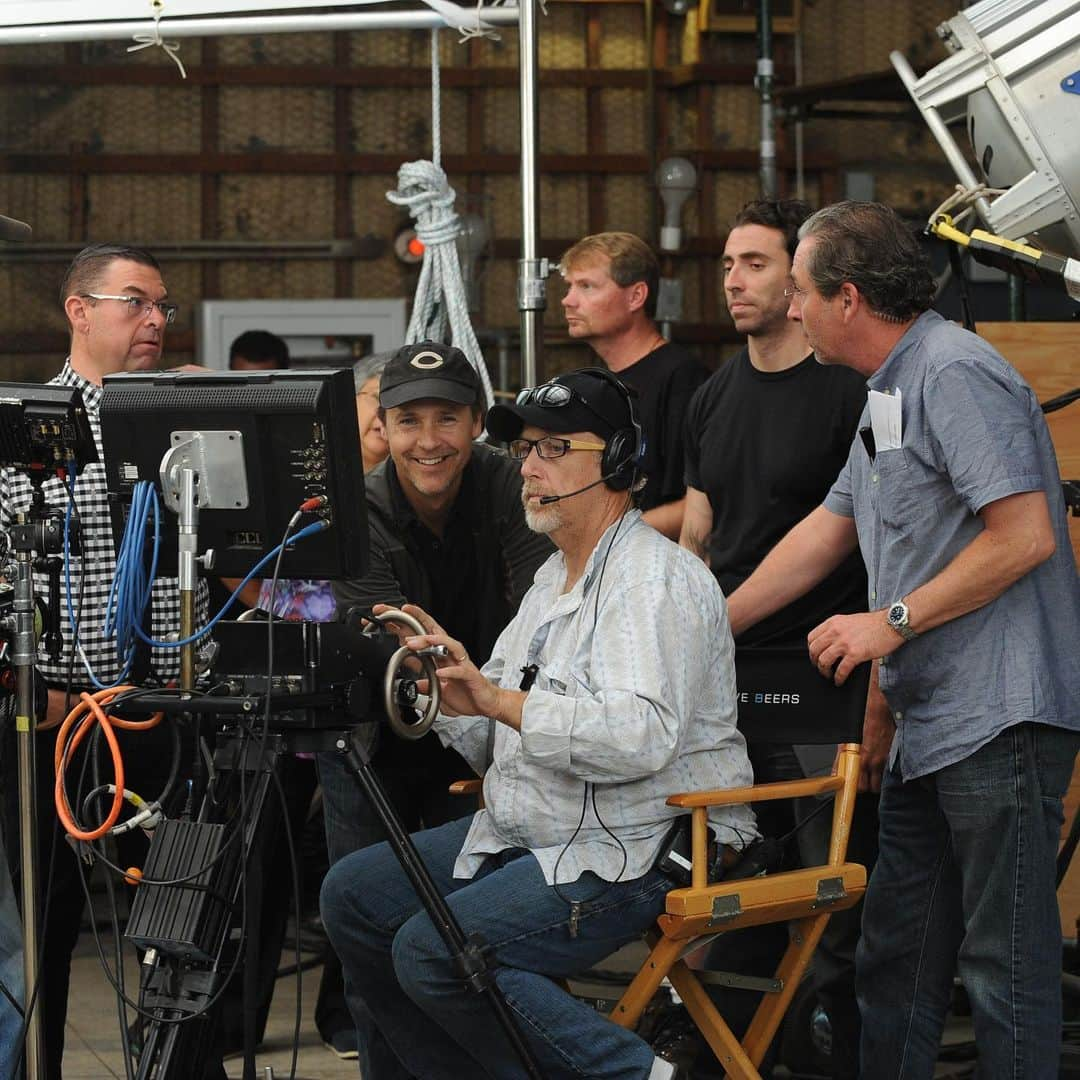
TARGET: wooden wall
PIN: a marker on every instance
(288, 138)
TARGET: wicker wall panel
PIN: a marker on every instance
(563, 127)
(913, 191)
(563, 205)
(275, 49)
(502, 52)
(30, 297)
(270, 279)
(276, 208)
(625, 121)
(372, 211)
(143, 209)
(396, 121)
(384, 48)
(184, 282)
(848, 37)
(622, 37)
(502, 129)
(141, 120)
(626, 203)
(52, 53)
(385, 276)
(505, 193)
(500, 293)
(731, 191)
(276, 118)
(561, 40)
(735, 118)
(687, 271)
(29, 367)
(44, 202)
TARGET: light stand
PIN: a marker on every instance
(42, 429)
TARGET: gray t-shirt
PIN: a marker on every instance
(973, 433)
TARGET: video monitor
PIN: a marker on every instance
(260, 444)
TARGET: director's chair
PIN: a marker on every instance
(781, 699)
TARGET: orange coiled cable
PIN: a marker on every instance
(83, 717)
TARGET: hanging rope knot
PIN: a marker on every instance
(425, 190)
(147, 41)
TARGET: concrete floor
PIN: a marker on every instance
(92, 1044)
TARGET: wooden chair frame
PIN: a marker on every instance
(694, 915)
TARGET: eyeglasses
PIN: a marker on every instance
(548, 447)
(794, 291)
(554, 395)
(139, 306)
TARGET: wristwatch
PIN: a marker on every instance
(897, 618)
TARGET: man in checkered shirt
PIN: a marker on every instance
(117, 309)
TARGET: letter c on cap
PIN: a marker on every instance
(434, 360)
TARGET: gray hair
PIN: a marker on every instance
(367, 367)
(869, 246)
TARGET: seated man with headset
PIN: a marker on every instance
(612, 687)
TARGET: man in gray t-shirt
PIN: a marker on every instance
(951, 491)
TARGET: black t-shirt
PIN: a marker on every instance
(765, 448)
(665, 380)
(452, 564)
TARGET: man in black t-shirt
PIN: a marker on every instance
(612, 280)
(765, 437)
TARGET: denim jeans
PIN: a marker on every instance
(965, 878)
(11, 969)
(397, 964)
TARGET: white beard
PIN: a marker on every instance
(543, 519)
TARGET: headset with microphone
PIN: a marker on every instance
(623, 451)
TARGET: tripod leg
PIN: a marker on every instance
(467, 953)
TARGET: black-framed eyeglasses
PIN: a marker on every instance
(554, 395)
(139, 306)
(548, 447)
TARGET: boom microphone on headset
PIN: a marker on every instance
(545, 500)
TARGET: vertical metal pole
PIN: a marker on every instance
(531, 296)
(23, 657)
(764, 83)
(188, 541)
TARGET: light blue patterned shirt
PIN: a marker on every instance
(973, 433)
(634, 700)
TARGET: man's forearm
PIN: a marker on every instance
(811, 551)
(667, 518)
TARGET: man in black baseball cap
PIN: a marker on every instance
(447, 531)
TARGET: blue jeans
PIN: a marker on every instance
(398, 966)
(965, 878)
(11, 969)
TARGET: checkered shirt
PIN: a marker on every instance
(99, 558)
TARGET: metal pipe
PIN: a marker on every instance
(23, 658)
(269, 24)
(650, 110)
(764, 83)
(532, 298)
(205, 250)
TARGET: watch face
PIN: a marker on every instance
(897, 614)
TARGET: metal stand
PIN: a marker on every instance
(467, 953)
(23, 658)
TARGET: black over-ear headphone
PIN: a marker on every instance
(621, 459)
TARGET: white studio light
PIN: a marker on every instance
(471, 242)
(1014, 79)
(676, 178)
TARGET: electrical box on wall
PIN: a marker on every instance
(321, 333)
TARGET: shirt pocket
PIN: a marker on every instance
(905, 492)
